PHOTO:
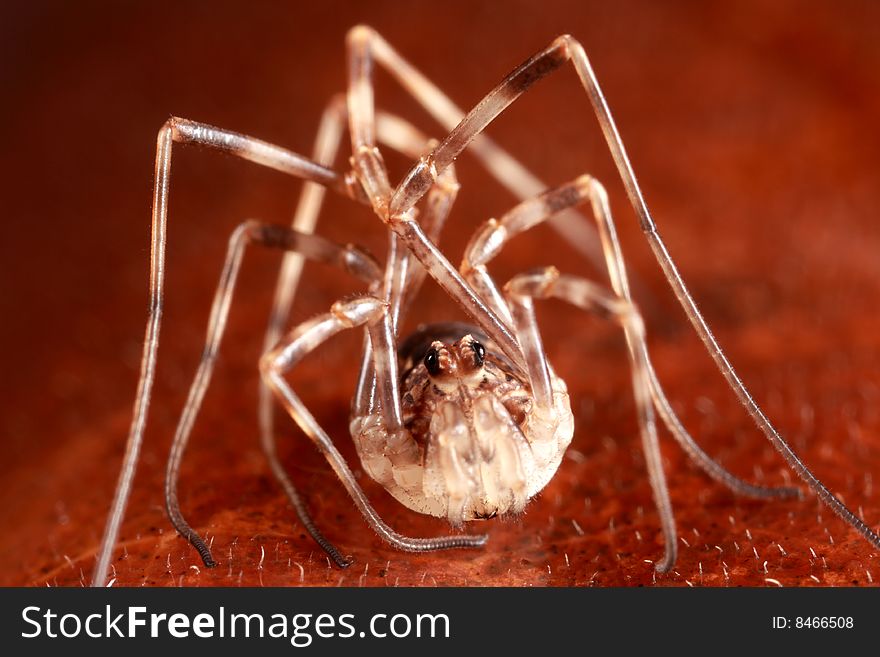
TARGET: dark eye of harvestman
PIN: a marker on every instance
(479, 353)
(432, 362)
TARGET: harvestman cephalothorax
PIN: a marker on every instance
(455, 421)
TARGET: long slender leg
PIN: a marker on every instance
(396, 283)
(406, 139)
(255, 150)
(507, 170)
(494, 234)
(403, 137)
(250, 232)
(359, 311)
(404, 276)
(371, 172)
(563, 49)
(545, 283)
(305, 219)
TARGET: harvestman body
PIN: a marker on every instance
(457, 421)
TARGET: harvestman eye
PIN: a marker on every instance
(479, 353)
(432, 361)
(517, 459)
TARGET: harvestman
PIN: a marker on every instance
(457, 421)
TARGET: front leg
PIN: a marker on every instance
(403, 137)
(359, 311)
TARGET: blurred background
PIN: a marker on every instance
(752, 128)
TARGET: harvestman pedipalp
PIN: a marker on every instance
(458, 421)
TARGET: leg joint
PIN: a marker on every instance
(536, 283)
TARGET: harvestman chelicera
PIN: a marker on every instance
(456, 421)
